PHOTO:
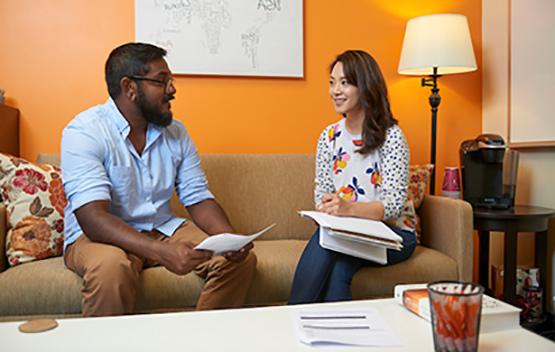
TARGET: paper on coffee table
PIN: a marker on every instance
(350, 327)
(228, 242)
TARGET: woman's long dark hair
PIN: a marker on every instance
(362, 71)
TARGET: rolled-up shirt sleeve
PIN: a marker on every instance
(191, 185)
(83, 172)
(394, 155)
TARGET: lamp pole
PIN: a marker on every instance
(434, 100)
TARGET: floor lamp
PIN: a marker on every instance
(436, 45)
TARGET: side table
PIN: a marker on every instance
(521, 218)
(9, 133)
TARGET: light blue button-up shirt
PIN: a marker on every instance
(99, 162)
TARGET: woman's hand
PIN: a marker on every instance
(332, 204)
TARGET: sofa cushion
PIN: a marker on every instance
(252, 204)
(258, 190)
(277, 260)
(288, 187)
(35, 201)
(40, 287)
(425, 265)
(48, 287)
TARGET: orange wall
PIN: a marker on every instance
(52, 54)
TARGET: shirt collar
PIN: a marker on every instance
(117, 117)
(152, 133)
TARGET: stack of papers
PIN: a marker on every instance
(362, 238)
(346, 327)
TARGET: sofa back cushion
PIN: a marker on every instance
(256, 190)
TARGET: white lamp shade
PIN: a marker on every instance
(441, 41)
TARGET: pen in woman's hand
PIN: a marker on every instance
(327, 197)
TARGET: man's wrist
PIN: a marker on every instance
(157, 251)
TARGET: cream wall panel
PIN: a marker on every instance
(537, 167)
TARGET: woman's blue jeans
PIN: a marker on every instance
(323, 275)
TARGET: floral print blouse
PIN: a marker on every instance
(381, 175)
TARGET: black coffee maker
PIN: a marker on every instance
(486, 182)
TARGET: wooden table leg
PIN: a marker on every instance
(483, 264)
(509, 277)
(541, 263)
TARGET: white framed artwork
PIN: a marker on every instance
(225, 37)
(532, 77)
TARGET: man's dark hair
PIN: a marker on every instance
(129, 59)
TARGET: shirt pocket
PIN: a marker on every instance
(121, 179)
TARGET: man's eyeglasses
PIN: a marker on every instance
(165, 82)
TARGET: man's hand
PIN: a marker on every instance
(332, 204)
(181, 257)
(239, 255)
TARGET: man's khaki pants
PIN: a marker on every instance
(110, 275)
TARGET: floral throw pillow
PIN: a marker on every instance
(418, 182)
(35, 201)
(419, 175)
(408, 219)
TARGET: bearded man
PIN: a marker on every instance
(121, 162)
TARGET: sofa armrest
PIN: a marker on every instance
(447, 226)
(3, 233)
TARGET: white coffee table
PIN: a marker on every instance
(255, 329)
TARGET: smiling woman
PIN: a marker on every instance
(361, 171)
(345, 95)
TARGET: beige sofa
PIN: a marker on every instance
(255, 191)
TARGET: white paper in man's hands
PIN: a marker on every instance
(228, 242)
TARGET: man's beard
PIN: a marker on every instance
(153, 114)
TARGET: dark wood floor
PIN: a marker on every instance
(545, 329)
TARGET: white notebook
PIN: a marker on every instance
(362, 238)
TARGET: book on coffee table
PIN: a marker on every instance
(496, 315)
